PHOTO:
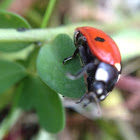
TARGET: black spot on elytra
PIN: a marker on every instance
(99, 39)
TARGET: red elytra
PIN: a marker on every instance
(106, 51)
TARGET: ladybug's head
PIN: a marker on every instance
(99, 90)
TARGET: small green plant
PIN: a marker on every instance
(32, 74)
(36, 79)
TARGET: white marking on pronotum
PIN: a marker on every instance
(118, 66)
(102, 97)
(101, 74)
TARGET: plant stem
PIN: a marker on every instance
(33, 35)
(48, 13)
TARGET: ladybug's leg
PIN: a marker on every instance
(89, 66)
(82, 98)
(79, 49)
(81, 41)
(87, 103)
(83, 54)
(85, 77)
(90, 83)
(71, 57)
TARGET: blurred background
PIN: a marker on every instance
(119, 118)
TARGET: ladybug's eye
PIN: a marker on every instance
(99, 39)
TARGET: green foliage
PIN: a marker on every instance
(11, 20)
(52, 70)
(37, 95)
(10, 74)
(35, 80)
(30, 92)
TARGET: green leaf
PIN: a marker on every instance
(10, 74)
(52, 71)
(37, 95)
(11, 20)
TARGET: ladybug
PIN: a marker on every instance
(101, 61)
